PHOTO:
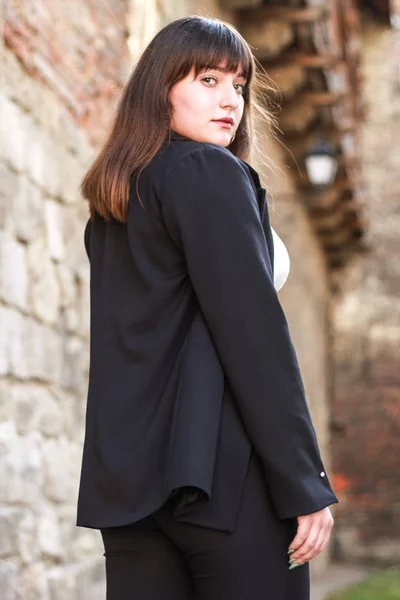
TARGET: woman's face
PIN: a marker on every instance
(209, 107)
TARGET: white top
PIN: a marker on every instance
(281, 261)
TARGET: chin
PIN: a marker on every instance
(220, 139)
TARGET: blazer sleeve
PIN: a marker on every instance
(212, 215)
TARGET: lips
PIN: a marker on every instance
(226, 120)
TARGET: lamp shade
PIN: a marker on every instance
(321, 163)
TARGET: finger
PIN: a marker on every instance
(303, 529)
(316, 545)
(320, 543)
(324, 541)
(306, 551)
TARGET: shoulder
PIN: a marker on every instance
(195, 160)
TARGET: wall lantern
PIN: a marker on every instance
(321, 162)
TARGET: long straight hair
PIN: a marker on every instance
(142, 122)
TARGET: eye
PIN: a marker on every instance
(239, 87)
(209, 80)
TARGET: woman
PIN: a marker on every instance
(201, 466)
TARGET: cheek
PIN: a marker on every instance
(185, 102)
(240, 109)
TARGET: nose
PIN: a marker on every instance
(229, 97)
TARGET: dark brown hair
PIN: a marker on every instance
(142, 123)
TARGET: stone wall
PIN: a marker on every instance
(63, 66)
(366, 405)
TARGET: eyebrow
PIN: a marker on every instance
(225, 70)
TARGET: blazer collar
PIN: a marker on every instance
(178, 136)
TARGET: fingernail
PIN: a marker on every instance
(290, 551)
(294, 566)
(292, 560)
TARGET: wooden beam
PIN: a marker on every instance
(267, 38)
(311, 14)
(329, 220)
(334, 134)
(346, 183)
(302, 59)
(296, 116)
(310, 61)
(335, 238)
(339, 256)
(239, 4)
(289, 79)
(324, 98)
(323, 200)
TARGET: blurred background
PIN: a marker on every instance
(334, 191)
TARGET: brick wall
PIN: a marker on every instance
(366, 405)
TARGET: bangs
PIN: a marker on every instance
(212, 45)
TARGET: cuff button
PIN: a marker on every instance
(322, 474)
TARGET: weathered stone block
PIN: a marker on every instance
(29, 349)
(72, 418)
(69, 297)
(74, 363)
(62, 582)
(13, 128)
(91, 581)
(75, 218)
(49, 533)
(34, 582)
(32, 407)
(84, 306)
(9, 521)
(45, 292)
(37, 152)
(20, 466)
(29, 549)
(28, 211)
(71, 173)
(54, 229)
(13, 358)
(9, 581)
(61, 465)
(13, 272)
(78, 543)
(9, 187)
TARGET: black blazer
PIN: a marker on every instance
(191, 362)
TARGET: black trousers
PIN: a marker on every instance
(159, 558)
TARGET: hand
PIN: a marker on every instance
(313, 533)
